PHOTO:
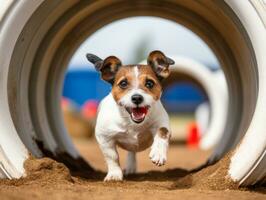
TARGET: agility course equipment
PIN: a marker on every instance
(37, 39)
(213, 85)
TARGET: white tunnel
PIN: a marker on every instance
(37, 39)
(213, 85)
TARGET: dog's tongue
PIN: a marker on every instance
(139, 113)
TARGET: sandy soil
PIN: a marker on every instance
(48, 179)
(178, 157)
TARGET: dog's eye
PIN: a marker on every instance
(123, 84)
(149, 84)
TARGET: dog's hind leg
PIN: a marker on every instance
(131, 163)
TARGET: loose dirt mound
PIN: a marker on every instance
(213, 177)
(46, 171)
(48, 179)
(43, 171)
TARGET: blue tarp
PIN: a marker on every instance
(83, 84)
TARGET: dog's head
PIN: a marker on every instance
(134, 87)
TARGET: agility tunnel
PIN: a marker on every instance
(199, 75)
(38, 38)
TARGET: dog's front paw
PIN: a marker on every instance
(158, 154)
(116, 175)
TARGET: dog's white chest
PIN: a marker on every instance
(135, 141)
(113, 125)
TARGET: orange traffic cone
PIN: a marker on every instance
(193, 136)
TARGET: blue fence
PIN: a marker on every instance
(83, 84)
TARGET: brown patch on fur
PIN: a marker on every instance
(163, 133)
(127, 72)
(160, 63)
(146, 72)
(109, 68)
(144, 140)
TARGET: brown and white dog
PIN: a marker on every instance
(132, 115)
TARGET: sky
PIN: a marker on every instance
(132, 39)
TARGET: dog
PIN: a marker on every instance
(132, 116)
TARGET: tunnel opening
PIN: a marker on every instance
(183, 91)
(56, 29)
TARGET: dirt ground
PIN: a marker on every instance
(48, 179)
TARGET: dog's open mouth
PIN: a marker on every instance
(138, 114)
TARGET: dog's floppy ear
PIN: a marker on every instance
(95, 60)
(108, 67)
(160, 64)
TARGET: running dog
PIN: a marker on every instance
(131, 115)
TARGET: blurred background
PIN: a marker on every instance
(131, 40)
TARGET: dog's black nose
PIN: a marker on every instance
(137, 99)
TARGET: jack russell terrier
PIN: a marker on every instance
(132, 116)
